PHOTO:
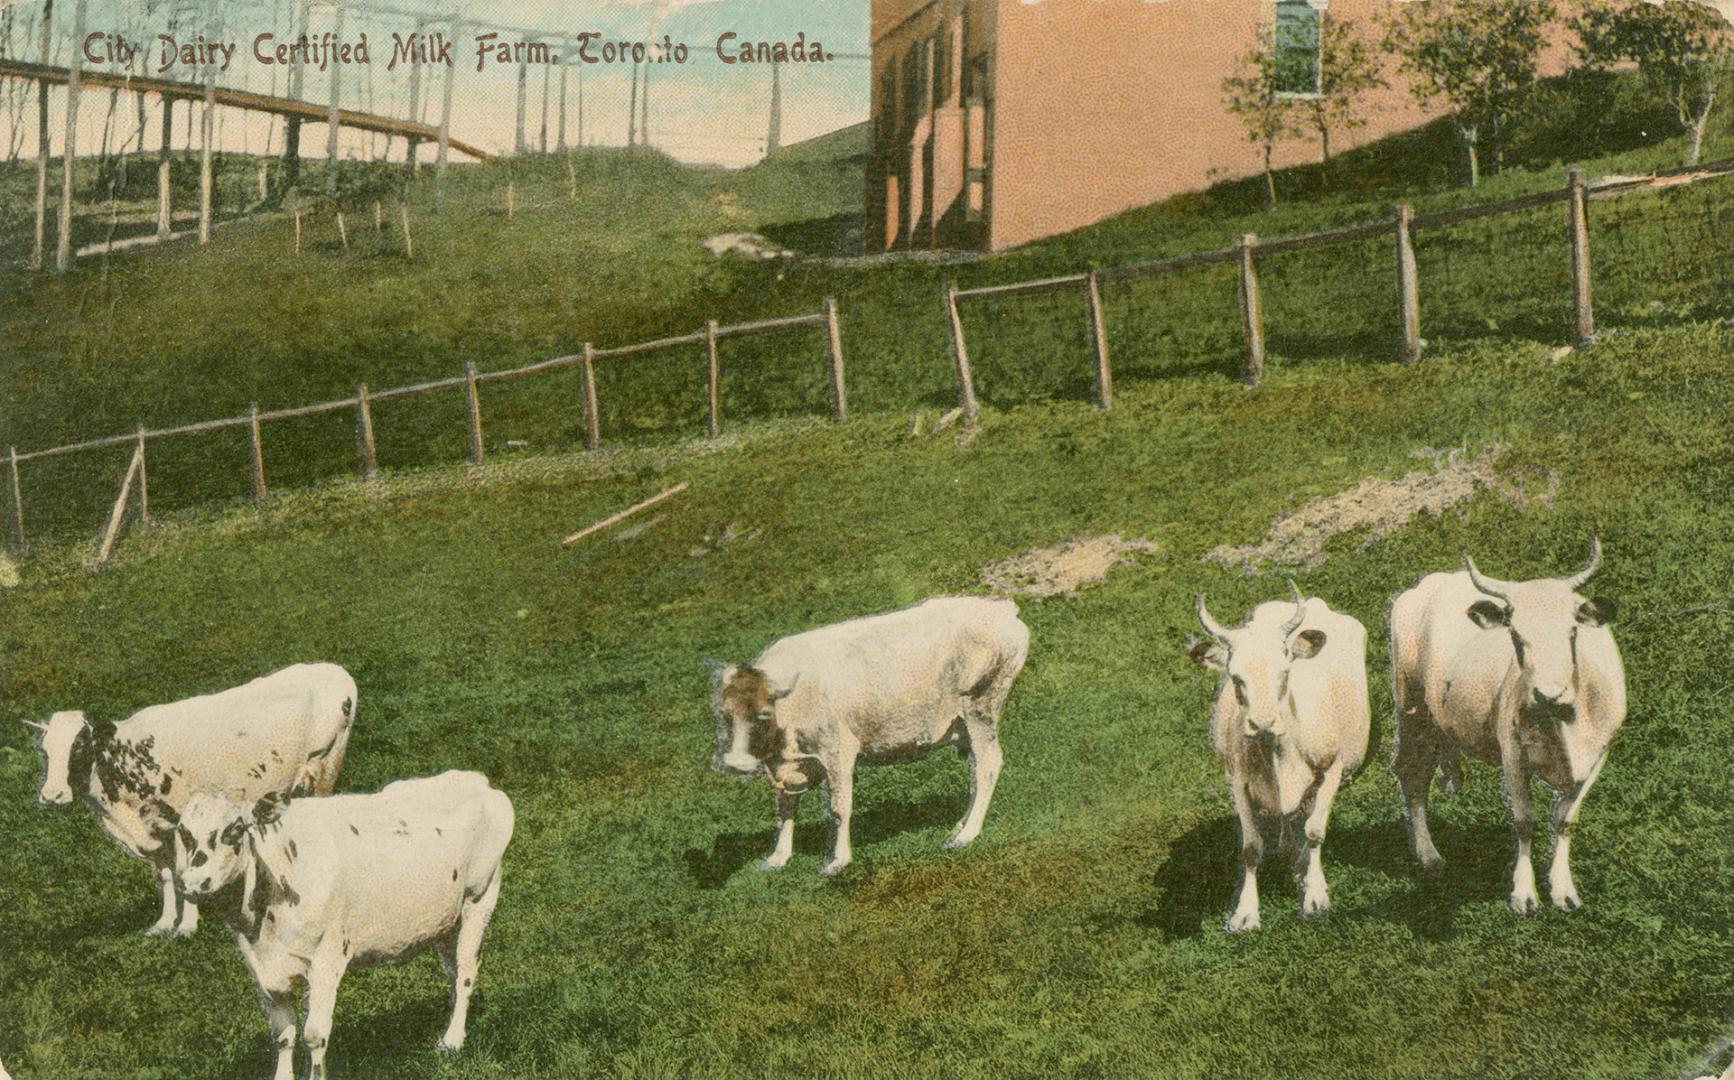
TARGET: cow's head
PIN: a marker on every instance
(221, 841)
(1543, 618)
(67, 744)
(1255, 663)
(745, 704)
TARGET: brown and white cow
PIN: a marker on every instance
(1289, 723)
(879, 690)
(1524, 675)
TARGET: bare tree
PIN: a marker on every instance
(1254, 95)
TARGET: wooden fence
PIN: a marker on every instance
(1247, 250)
(469, 382)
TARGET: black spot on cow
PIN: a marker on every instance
(454, 873)
(467, 983)
(292, 851)
(355, 830)
(439, 831)
(166, 785)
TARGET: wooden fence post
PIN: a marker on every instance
(511, 199)
(378, 219)
(163, 200)
(1099, 335)
(960, 355)
(364, 432)
(342, 233)
(1251, 314)
(105, 545)
(713, 379)
(17, 499)
(297, 230)
(1583, 323)
(408, 245)
(260, 491)
(144, 486)
(834, 345)
(475, 403)
(264, 180)
(587, 373)
(1408, 287)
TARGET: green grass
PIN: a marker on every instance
(1081, 934)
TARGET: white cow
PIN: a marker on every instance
(284, 733)
(879, 690)
(1520, 674)
(318, 886)
(1289, 724)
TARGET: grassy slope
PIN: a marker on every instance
(1082, 933)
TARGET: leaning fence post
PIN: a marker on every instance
(1251, 315)
(364, 432)
(105, 543)
(144, 487)
(1099, 335)
(834, 345)
(1583, 323)
(475, 404)
(1408, 287)
(960, 355)
(713, 379)
(408, 245)
(17, 499)
(297, 230)
(587, 375)
(342, 233)
(259, 489)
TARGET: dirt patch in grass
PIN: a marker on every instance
(1060, 569)
(8, 573)
(1378, 505)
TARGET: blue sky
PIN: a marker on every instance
(703, 110)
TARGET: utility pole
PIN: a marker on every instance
(445, 127)
(523, 77)
(42, 140)
(774, 137)
(292, 126)
(644, 108)
(331, 117)
(74, 85)
(632, 111)
(565, 69)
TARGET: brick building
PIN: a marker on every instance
(997, 122)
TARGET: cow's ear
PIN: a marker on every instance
(1488, 615)
(1597, 611)
(778, 695)
(1307, 644)
(102, 731)
(1206, 653)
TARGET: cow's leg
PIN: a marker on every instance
(1561, 889)
(166, 892)
(1523, 899)
(1413, 763)
(984, 763)
(840, 786)
(280, 1014)
(323, 975)
(785, 845)
(1245, 914)
(1315, 897)
(189, 915)
(472, 924)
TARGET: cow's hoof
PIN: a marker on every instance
(772, 863)
(449, 1045)
(959, 840)
(1522, 905)
(184, 930)
(1567, 901)
(1240, 924)
(160, 929)
(833, 867)
(1432, 866)
(1315, 909)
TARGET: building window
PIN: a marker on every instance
(1298, 24)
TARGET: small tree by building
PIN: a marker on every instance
(1478, 57)
(1254, 95)
(1348, 68)
(1684, 50)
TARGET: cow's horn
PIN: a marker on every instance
(1486, 585)
(1595, 561)
(1211, 626)
(1300, 610)
(35, 726)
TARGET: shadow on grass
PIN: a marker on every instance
(1196, 884)
(732, 852)
(837, 236)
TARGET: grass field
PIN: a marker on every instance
(1081, 935)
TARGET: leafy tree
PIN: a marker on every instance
(1348, 68)
(1684, 50)
(1478, 57)
(1253, 94)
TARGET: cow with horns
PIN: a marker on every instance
(1289, 724)
(1524, 675)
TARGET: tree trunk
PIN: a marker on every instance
(1325, 143)
(1269, 181)
(1469, 148)
(1699, 122)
